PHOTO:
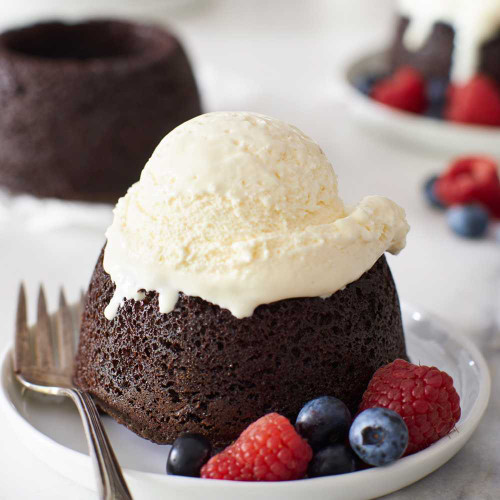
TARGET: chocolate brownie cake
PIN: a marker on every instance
(84, 105)
(200, 369)
(235, 282)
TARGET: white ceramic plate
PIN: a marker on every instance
(51, 429)
(428, 133)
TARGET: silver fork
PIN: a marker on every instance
(43, 362)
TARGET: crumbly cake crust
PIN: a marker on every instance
(200, 369)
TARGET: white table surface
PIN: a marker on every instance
(281, 58)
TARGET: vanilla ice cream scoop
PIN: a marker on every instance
(241, 209)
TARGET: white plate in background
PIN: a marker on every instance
(427, 133)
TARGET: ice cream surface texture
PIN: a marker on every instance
(242, 209)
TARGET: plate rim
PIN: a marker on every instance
(372, 112)
(423, 459)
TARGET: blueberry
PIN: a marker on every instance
(378, 436)
(365, 83)
(430, 192)
(331, 460)
(436, 90)
(435, 111)
(323, 420)
(470, 221)
(436, 93)
(187, 455)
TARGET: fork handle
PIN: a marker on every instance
(112, 485)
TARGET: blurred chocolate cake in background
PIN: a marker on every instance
(84, 105)
(449, 41)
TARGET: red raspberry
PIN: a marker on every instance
(404, 90)
(267, 450)
(471, 179)
(422, 395)
(478, 101)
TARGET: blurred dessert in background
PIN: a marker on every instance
(84, 105)
(445, 61)
(235, 282)
(450, 39)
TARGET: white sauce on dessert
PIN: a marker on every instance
(241, 210)
(473, 21)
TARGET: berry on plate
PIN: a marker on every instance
(331, 460)
(471, 179)
(423, 395)
(267, 450)
(378, 436)
(187, 455)
(436, 93)
(365, 83)
(469, 221)
(323, 420)
(478, 102)
(404, 90)
(430, 192)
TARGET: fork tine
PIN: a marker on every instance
(77, 313)
(43, 334)
(65, 334)
(22, 350)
